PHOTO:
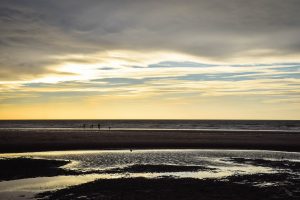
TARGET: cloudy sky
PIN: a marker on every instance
(200, 59)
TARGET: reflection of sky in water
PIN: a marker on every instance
(216, 163)
(102, 160)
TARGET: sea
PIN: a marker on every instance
(232, 125)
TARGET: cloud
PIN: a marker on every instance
(266, 80)
(34, 32)
(160, 49)
(180, 64)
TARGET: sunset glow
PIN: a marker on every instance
(206, 61)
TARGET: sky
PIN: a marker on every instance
(154, 59)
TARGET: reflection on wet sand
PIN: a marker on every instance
(48, 172)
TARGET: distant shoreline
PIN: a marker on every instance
(58, 140)
(151, 129)
(214, 125)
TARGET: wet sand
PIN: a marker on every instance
(283, 184)
(170, 188)
(26, 140)
(286, 186)
(19, 168)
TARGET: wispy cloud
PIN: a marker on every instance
(155, 50)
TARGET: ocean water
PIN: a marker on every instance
(273, 125)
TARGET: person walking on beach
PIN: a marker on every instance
(99, 126)
(92, 126)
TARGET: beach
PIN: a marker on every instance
(57, 160)
(150, 100)
(28, 140)
(150, 174)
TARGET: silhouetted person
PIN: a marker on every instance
(92, 126)
(109, 128)
(99, 126)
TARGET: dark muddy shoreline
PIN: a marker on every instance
(19, 168)
(284, 183)
(173, 189)
(55, 140)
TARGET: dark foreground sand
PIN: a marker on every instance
(48, 140)
(172, 189)
(284, 184)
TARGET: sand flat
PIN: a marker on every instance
(22, 140)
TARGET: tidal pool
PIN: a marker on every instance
(88, 166)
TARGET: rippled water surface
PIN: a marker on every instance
(213, 160)
(274, 125)
(199, 164)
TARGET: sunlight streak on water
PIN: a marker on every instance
(114, 164)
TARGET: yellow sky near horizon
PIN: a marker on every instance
(153, 108)
(154, 85)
